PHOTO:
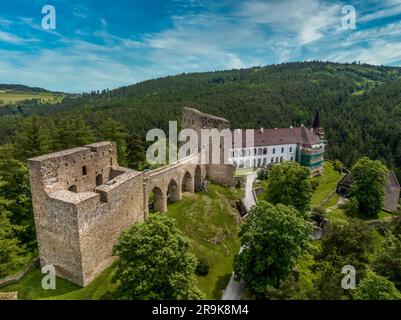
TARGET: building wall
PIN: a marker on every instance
(222, 173)
(269, 154)
(76, 230)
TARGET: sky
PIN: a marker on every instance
(101, 44)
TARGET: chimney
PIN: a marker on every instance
(291, 127)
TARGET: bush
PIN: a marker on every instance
(314, 184)
(352, 207)
(202, 268)
(318, 214)
(338, 166)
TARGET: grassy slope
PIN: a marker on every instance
(202, 217)
(208, 220)
(327, 183)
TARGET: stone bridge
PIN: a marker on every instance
(167, 183)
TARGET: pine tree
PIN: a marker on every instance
(113, 131)
(136, 152)
(33, 137)
(72, 132)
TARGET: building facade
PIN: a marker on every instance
(270, 146)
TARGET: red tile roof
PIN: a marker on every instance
(267, 137)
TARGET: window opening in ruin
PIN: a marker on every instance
(73, 188)
(84, 171)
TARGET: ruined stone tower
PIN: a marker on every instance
(82, 200)
(222, 173)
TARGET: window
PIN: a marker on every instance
(292, 158)
(281, 159)
(271, 160)
(291, 150)
(235, 153)
(255, 151)
(248, 152)
(259, 162)
(277, 160)
(84, 171)
(99, 180)
(282, 150)
(274, 150)
(73, 188)
(264, 150)
(264, 161)
(259, 151)
(242, 152)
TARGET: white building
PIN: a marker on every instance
(280, 144)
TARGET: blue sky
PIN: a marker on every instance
(106, 44)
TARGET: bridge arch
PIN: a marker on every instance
(173, 191)
(157, 200)
(187, 184)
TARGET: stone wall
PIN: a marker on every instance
(77, 227)
(222, 173)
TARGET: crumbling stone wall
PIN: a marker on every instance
(83, 200)
(222, 173)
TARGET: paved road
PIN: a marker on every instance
(249, 200)
(235, 289)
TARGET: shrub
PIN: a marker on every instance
(314, 184)
(338, 166)
(202, 268)
(352, 207)
(318, 214)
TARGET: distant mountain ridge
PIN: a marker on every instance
(20, 88)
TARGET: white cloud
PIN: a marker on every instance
(308, 20)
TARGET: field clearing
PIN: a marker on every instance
(10, 98)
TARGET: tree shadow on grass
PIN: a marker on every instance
(221, 285)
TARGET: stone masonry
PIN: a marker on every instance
(82, 199)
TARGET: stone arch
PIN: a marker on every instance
(187, 184)
(173, 191)
(198, 178)
(157, 200)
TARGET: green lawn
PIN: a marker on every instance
(327, 183)
(208, 220)
(332, 201)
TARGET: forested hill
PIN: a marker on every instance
(360, 105)
(20, 88)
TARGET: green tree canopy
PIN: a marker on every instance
(113, 131)
(376, 287)
(33, 137)
(71, 132)
(388, 261)
(273, 237)
(10, 246)
(369, 178)
(289, 184)
(154, 262)
(136, 152)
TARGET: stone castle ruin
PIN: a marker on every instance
(82, 199)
